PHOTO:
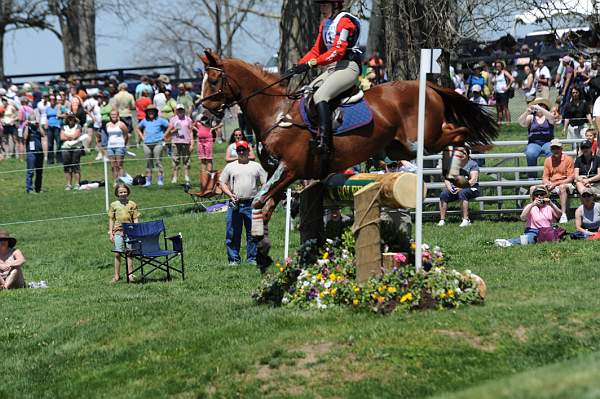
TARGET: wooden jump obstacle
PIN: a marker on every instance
(367, 193)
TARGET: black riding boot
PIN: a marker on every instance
(325, 146)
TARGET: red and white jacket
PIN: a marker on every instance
(337, 40)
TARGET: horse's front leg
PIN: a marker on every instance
(282, 177)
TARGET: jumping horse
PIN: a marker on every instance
(450, 120)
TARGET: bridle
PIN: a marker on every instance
(224, 79)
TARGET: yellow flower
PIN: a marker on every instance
(392, 290)
(356, 289)
(451, 293)
(381, 288)
(340, 278)
(281, 269)
(321, 295)
(333, 291)
(278, 264)
(406, 297)
(443, 295)
(355, 301)
(332, 276)
(319, 277)
(325, 255)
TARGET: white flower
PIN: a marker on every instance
(305, 284)
(328, 284)
(455, 282)
(303, 274)
(329, 241)
(322, 262)
(458, 291)
(285, 300)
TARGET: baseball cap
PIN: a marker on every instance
(476, 88)
(555, 143)
(586, 144)
(242, 144)
(180, 106)
(539, 190)
(587, 192)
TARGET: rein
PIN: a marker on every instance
(224, 80)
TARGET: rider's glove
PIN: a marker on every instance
(298, 69)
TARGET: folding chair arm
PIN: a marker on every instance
(132, 246)
(177, 242)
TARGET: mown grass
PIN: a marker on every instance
(537, 336)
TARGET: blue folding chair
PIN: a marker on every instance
(143, 243)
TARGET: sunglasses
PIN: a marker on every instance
(587, 196)
(539, 194)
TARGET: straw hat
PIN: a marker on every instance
(5, 235)
(541, 101)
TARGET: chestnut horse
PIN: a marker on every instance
(450, 120)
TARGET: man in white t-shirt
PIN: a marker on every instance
(542, 77)
(241, 180)
(93, 120)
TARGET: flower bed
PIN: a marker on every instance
(325, 277)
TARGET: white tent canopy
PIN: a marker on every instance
(556, 8)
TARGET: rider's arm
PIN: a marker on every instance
(317, 49)
(345, 29)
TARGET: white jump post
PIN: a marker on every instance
(288, 220)
(428, 65)
(105, 184)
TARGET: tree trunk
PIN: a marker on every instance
(411, 25)
(2, 33)
(376, 39)
(298, 29)
(78, 27)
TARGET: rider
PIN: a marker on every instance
(336, 46)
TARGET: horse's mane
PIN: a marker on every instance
(256, 70)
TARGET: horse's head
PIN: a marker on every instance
(217, 93)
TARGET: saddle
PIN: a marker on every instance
(351, 96)
(349, 111)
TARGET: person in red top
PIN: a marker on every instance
(141, 104)
(335, 47)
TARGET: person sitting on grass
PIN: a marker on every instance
(11, 261)
(463, 195)
(121, 211)
(587, 216)
(541, 212)
(587, 168)
(559, 173)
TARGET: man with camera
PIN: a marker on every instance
(241, 180)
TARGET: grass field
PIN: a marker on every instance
(537, 336)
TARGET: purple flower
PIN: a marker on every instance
(312, 293)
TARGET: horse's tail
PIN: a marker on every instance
(480, 123)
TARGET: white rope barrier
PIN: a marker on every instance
(103, 213)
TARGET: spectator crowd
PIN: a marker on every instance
(59, 122)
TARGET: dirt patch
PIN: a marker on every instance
(473, 341)
(297, 364)
(520, 334)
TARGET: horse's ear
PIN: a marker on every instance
(210, 58)
(204, 59)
